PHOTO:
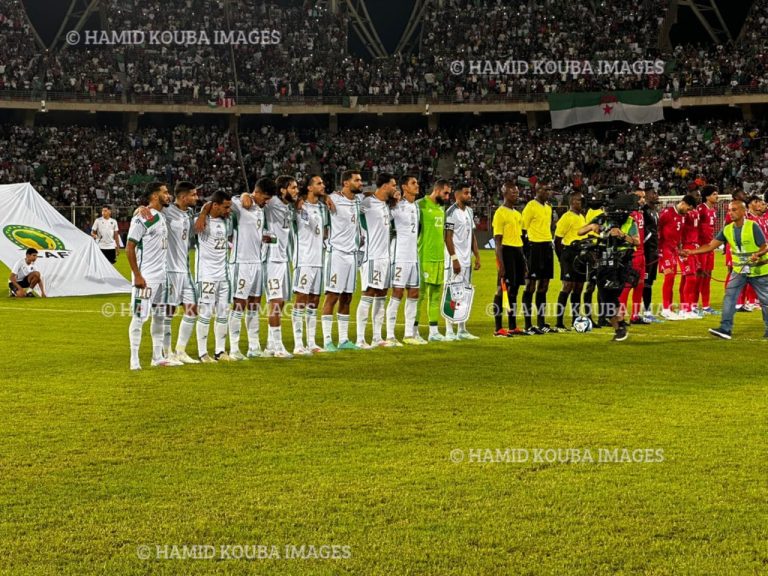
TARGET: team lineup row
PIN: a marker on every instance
(280, 240)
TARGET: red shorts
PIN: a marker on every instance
(707, 262)
(690, 265)
(638, 262)
(668, 258)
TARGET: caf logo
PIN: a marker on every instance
(29, 237)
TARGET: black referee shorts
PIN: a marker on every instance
(514, 266)
(570, 271)
(541, 265)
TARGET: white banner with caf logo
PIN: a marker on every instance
(68, 259)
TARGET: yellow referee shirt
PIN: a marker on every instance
(591, 215)
(568, 226)
(537, 220)
(508, 223)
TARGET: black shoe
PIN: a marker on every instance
(545, 328)
(621, 334)
(534, 331)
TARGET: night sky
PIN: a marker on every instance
(391, 17)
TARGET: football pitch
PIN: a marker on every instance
(554, 454)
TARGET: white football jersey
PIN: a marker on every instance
(345, 224)
(279, 221)
(180, 233)
(151, 239)
(375, 227)
(405, 218)
(462, 222)
(212, 249)
(247, 231)
(311, 221)
(105, 232)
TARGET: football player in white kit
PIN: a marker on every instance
(280, 224)
(311, 225)
(341, 268)
(147, 252)
(375, 225)
(213, 275)
(405, 261)
(246, 264)
(460, 245)
(181, 288)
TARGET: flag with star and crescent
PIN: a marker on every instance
(632, 106)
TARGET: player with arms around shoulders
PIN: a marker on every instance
(311, 232)
(375, 224)
(341, 269)
(213, 275)
(147, 252)
(405, 261)
(246, 263)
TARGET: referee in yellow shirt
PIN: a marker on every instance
(508, 236)
(537, 223)
(571, 275)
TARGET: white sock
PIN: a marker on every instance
(157, 329)
(363, 310)
(448, 327)
(311, 315)
(392, 309)
(276, 338)
(185, 332)
(134, 337)
(252, 325)
(202, 328)
(343, 320)
(411, 305)
(378, 316)
(297, 320)
(433, 329)
(326, 322)
(167, 321)
(235, 325)
(220, 329)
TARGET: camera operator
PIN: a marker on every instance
(618, 237)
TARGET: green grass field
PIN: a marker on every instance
(376, 452)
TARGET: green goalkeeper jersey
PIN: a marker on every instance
(432, 220)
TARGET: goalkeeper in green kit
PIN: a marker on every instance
(432, 255)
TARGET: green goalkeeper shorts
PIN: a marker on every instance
(432, 272)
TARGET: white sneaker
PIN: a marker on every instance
(315, 349)
(690, 315)
(173, 361)
(363, 345)
(450, 337)
(223, 357)
(437, 337)
(417, 337)
(254, 353)
(392, 343)
(185, 358)
(135, 366)
(301, 351)
(669, 315)
(463, 335)
(165, 362)
(206, 359)
(237, 355)
(282, 353)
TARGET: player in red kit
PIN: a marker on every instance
(707, 225)
(638, 263)
(670, 236)
(689, 267)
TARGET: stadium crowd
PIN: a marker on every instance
(312, 57)
(115, 165)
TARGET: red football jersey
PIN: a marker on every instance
(707, 223)
(637, 216)
(691, 227)
(670, 228)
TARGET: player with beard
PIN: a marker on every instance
(341, 269)
(431, 255)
